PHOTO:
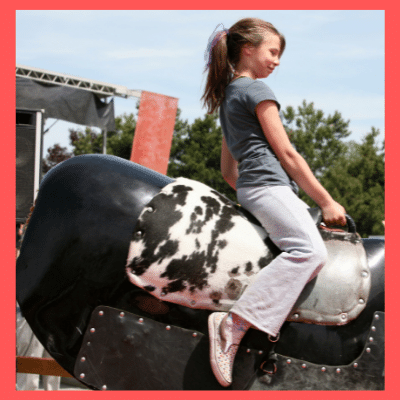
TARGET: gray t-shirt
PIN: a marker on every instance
(258, 164)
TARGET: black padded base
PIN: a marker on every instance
(128, 352)
(122, 351)
(366, 372)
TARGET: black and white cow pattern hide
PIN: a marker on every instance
(192, 247)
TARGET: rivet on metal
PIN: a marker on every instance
(194, 334)
(92, 330)
(162, 294)
(343, 316)
(355, 365)
(140, 320)
(168, 328)
(101, 312)
(371, 339)
(361, 301)
(104, 387)
(83, 359)
(150, 209)
(323, 369)
(139, 233)
(260, 351)
(274, 339)
(88, 344)
(338, 370)
(122, 314)
(373, 329)
(193, 302)
(288, 361)
(82, 376)
(303, 365)
(376, 316)
(295, 316)
(368, 350)
(248, 350)
(364, 274)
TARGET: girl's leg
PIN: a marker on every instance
(268, 301)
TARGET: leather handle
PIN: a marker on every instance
(351, 225)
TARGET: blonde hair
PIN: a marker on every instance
(225, 54)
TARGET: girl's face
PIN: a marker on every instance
(263, 59)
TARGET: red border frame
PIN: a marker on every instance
(7, 157)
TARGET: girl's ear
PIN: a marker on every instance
(247, 49)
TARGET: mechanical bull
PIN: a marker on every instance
(120, 267)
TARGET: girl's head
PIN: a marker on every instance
(226, 53)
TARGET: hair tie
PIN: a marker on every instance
(212, 41)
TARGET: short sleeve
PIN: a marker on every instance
(256, 93)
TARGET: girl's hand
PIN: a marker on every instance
(334, 214)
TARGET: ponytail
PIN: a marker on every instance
(220, 71)
(223, 53)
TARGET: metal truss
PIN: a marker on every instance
(100, 88)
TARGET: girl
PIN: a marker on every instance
(259, 162)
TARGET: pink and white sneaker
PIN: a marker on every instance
(221, 362)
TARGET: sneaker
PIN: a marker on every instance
(221, 362)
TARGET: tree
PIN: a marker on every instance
(357, 181)
(317, 138)
(119, 142)
(55, 155)
(196, 153)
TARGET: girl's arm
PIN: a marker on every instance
(295, 165)
(229, 168)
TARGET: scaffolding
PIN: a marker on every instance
(103, 90)
(100, 88)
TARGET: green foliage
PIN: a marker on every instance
(319, 139)
(119, 143)
(196, 153)
(85, 142)
(316, 137)
(357, 181)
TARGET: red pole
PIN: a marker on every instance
(154, 129)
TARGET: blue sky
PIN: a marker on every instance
(333, 58)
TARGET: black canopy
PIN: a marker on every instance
(66, 103)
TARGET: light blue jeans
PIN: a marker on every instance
(268, 301)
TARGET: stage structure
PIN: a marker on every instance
(88, 102)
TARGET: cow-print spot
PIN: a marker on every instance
(198, 249)
(234, 272)
(233, 288)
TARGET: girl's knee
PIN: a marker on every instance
(321, 254)
(319, 259)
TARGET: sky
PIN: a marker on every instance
(334, 58)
